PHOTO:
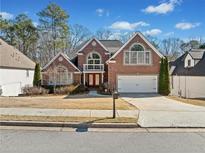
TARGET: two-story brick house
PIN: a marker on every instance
(130, 67)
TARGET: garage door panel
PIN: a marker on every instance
(137, 84)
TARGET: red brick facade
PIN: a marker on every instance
(112, 69)
(63, 61)
(119, 68)
(82, 58)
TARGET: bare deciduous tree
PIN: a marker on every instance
(104, 34)
(78, 34)
(171, 47)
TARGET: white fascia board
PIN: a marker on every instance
(65, 56)
(91, 41)
(138, 33)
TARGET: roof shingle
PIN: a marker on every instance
(10, 57)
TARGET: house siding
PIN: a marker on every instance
(188, 86)
(119, 68)
(13, 80)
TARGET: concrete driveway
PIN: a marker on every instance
(159, 111)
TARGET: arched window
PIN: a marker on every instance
(94, 58)
(60, 76)
(93, 61)
(137, 47)
(137, 55)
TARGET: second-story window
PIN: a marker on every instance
(94, 58)
(137, 56)
(93, 61)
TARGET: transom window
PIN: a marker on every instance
(94, 58)
(137, 55)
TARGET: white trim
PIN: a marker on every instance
(93, 71)
(136, 43)
(142, 36)
(112, 61)
(90, 42)
(92, 58)
(51, 61)
(79, 54)
(77, 72)
(65, 56)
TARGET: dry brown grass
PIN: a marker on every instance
(67, 119)
(199, 102)
(61, 102)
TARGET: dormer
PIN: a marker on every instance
(188, 61)
(193, 57)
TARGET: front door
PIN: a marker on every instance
(94, 79)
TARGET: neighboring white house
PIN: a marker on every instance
(16, 70)
(188, 75)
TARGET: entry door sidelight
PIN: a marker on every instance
(91, 79)
(97, 79)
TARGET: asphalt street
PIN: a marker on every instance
(20, 140)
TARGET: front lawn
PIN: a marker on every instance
(61, 102)
(199, 102)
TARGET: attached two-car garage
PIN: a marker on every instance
(137, 83)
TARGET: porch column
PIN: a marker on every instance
(83, 78)
(102, 78)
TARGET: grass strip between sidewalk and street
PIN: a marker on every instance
(199, 102)
(67, 119)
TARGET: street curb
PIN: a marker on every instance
(68, 124)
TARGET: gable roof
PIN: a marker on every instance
(197, 70)
(10, 57)
(143, 37)
(65, 56)
(197, 53)
(112, 45)
(88, 42)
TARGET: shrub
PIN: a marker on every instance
(103, 89)
(79, 89)
(37, 75)
(29, 91)
(64, 89)
(1, 91)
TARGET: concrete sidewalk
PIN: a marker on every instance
(67, 112)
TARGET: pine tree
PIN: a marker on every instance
(161, 76)
(164, 88)
(166, 77)
(37, 75)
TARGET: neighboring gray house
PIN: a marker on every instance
(188, 75)
(16, 70)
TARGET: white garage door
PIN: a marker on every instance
(137, 84)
